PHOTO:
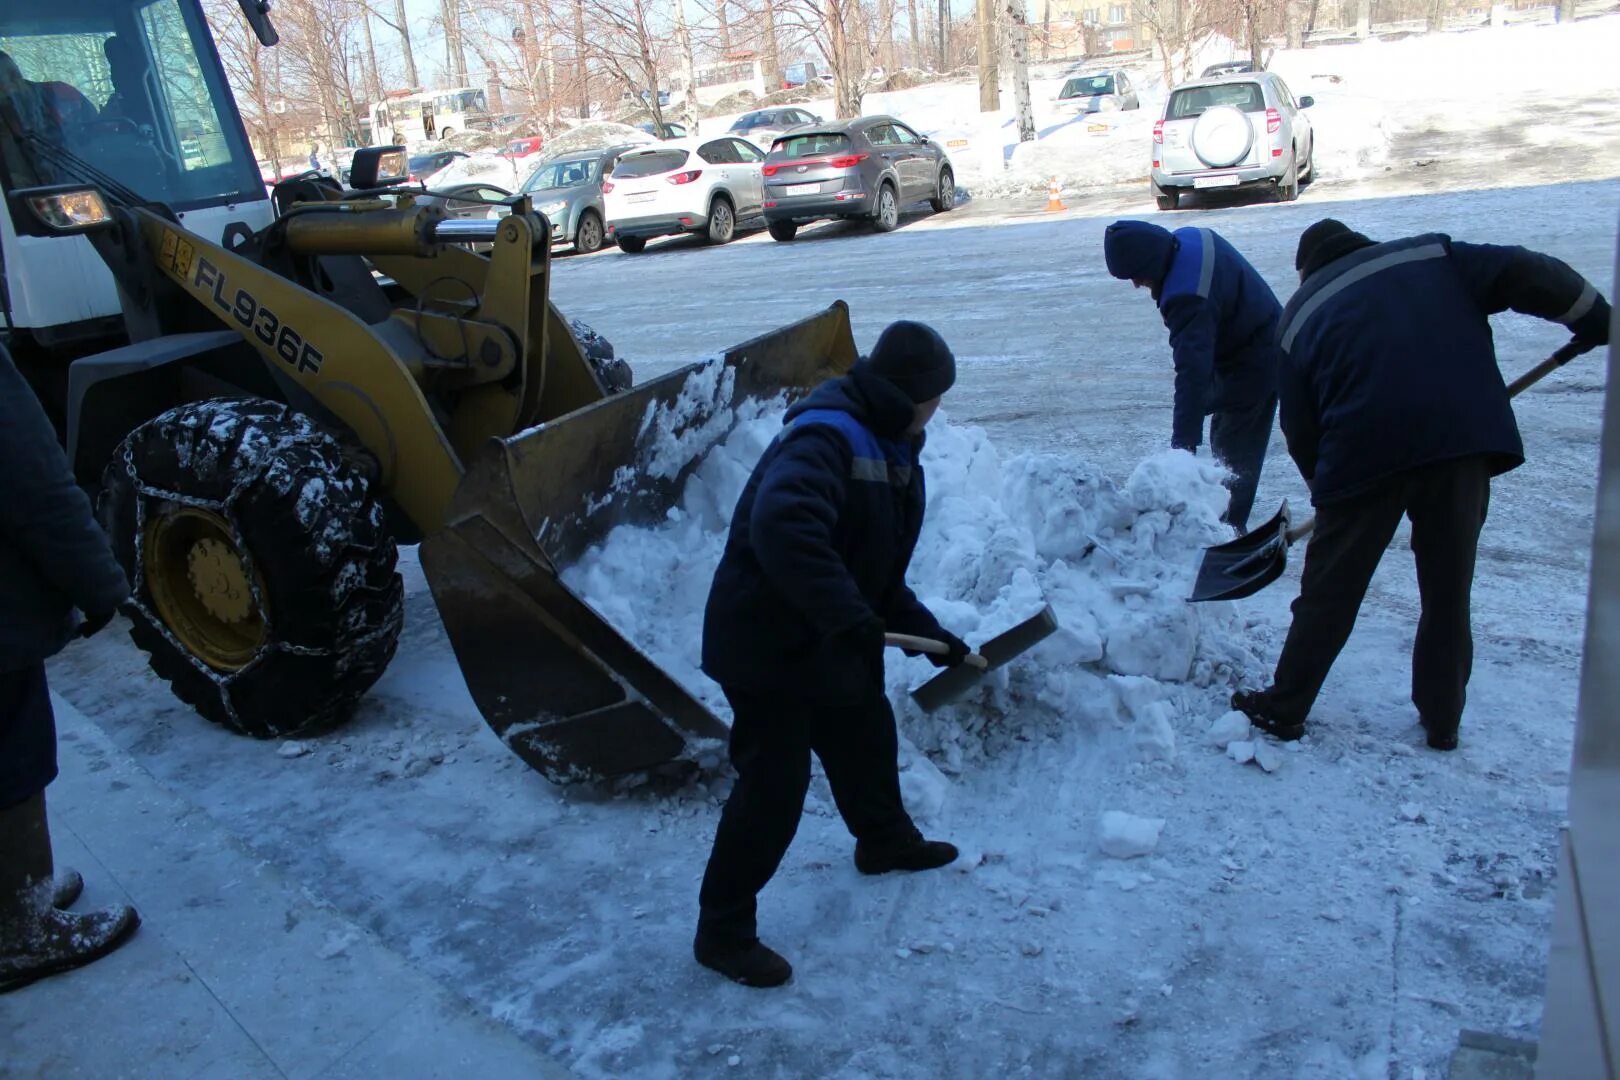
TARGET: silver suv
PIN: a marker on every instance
(1232, 131)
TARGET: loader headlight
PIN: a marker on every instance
(63, 210)
(378, 166)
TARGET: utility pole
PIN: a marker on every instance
(405, 40)
(989, 70)
(944, 35)
(1018, 22)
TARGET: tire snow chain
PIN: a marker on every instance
(224, 508)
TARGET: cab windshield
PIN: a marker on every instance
(124, 94)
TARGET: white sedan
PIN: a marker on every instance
(685, 186)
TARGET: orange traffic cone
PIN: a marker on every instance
(1054, 200)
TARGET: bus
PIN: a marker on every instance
(715, 81)
(426, 117)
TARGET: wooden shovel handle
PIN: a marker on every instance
(929, 645)
(1568, 351)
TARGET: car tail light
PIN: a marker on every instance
(686, 177)
(607, 186)
(847, 161)
(770, 206)
(1158, 131)
(769, 170)
(1276, 152)
(1273, 121)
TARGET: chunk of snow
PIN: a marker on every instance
(293, 749)
(1267, 756)
(1229, 728)
(1240, 751)
(1126, 836)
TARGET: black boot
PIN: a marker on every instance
(909, 853)
(750, 963)
(36, 939)
(1439, 736)
(68, 887)
(1256, 705)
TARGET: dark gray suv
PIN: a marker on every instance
(865, 168)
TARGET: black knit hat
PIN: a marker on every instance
(915, 358)
(1325, 241)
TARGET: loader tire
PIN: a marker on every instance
(262, 574)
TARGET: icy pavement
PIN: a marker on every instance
(1343, 915)
(235, 971)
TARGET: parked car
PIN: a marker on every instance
(525, 147)
(689, 186)
(470, 202)
(762, 126)
(865, 168)
(568, 191)
(670, 130)
(1229, 67)
(1098, 91)
(1232, 131)
(423, 166)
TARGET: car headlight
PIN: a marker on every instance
(553, 209)
(1107, 104)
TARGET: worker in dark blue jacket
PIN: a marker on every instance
(813, 575)
(1392, 405)
(1222, 318)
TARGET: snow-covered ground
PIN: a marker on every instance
(1342, 916)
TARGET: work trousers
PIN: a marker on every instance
(1238, 438)
(27, 735)
(1447, 503)
(772, 738)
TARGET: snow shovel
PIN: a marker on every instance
(952, 683)
(1244, 566)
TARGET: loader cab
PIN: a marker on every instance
(125, 94)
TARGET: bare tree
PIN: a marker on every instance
(1247, 22)
(256, 94)
(989, 72)
(833, 27)
(373, 77)
(1018, 48)
(627, 42)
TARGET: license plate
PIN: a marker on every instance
(801, 189)
(646, 196)
(1215, 181)
(1096, 127)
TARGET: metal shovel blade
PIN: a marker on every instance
(1244, 566)
(952, 683)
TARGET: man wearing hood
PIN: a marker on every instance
(1222, 318)
(1393, 406)
(814, 573)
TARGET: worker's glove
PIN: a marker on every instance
(1592, 329)
(959, 651)
(92, 624)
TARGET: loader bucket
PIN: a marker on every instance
(565, 690)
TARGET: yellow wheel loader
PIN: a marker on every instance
(289, 400)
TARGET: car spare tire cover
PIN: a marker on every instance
(1222, 136)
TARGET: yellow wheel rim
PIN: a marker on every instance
(201, 587)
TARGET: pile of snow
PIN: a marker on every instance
(593, 135)
(1002, 537)
(482, 168)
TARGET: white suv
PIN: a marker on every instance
(1232, 131)
(688, 185)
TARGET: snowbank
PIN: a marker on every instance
(1367, 95)
(482, 168)
(1001, 537)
